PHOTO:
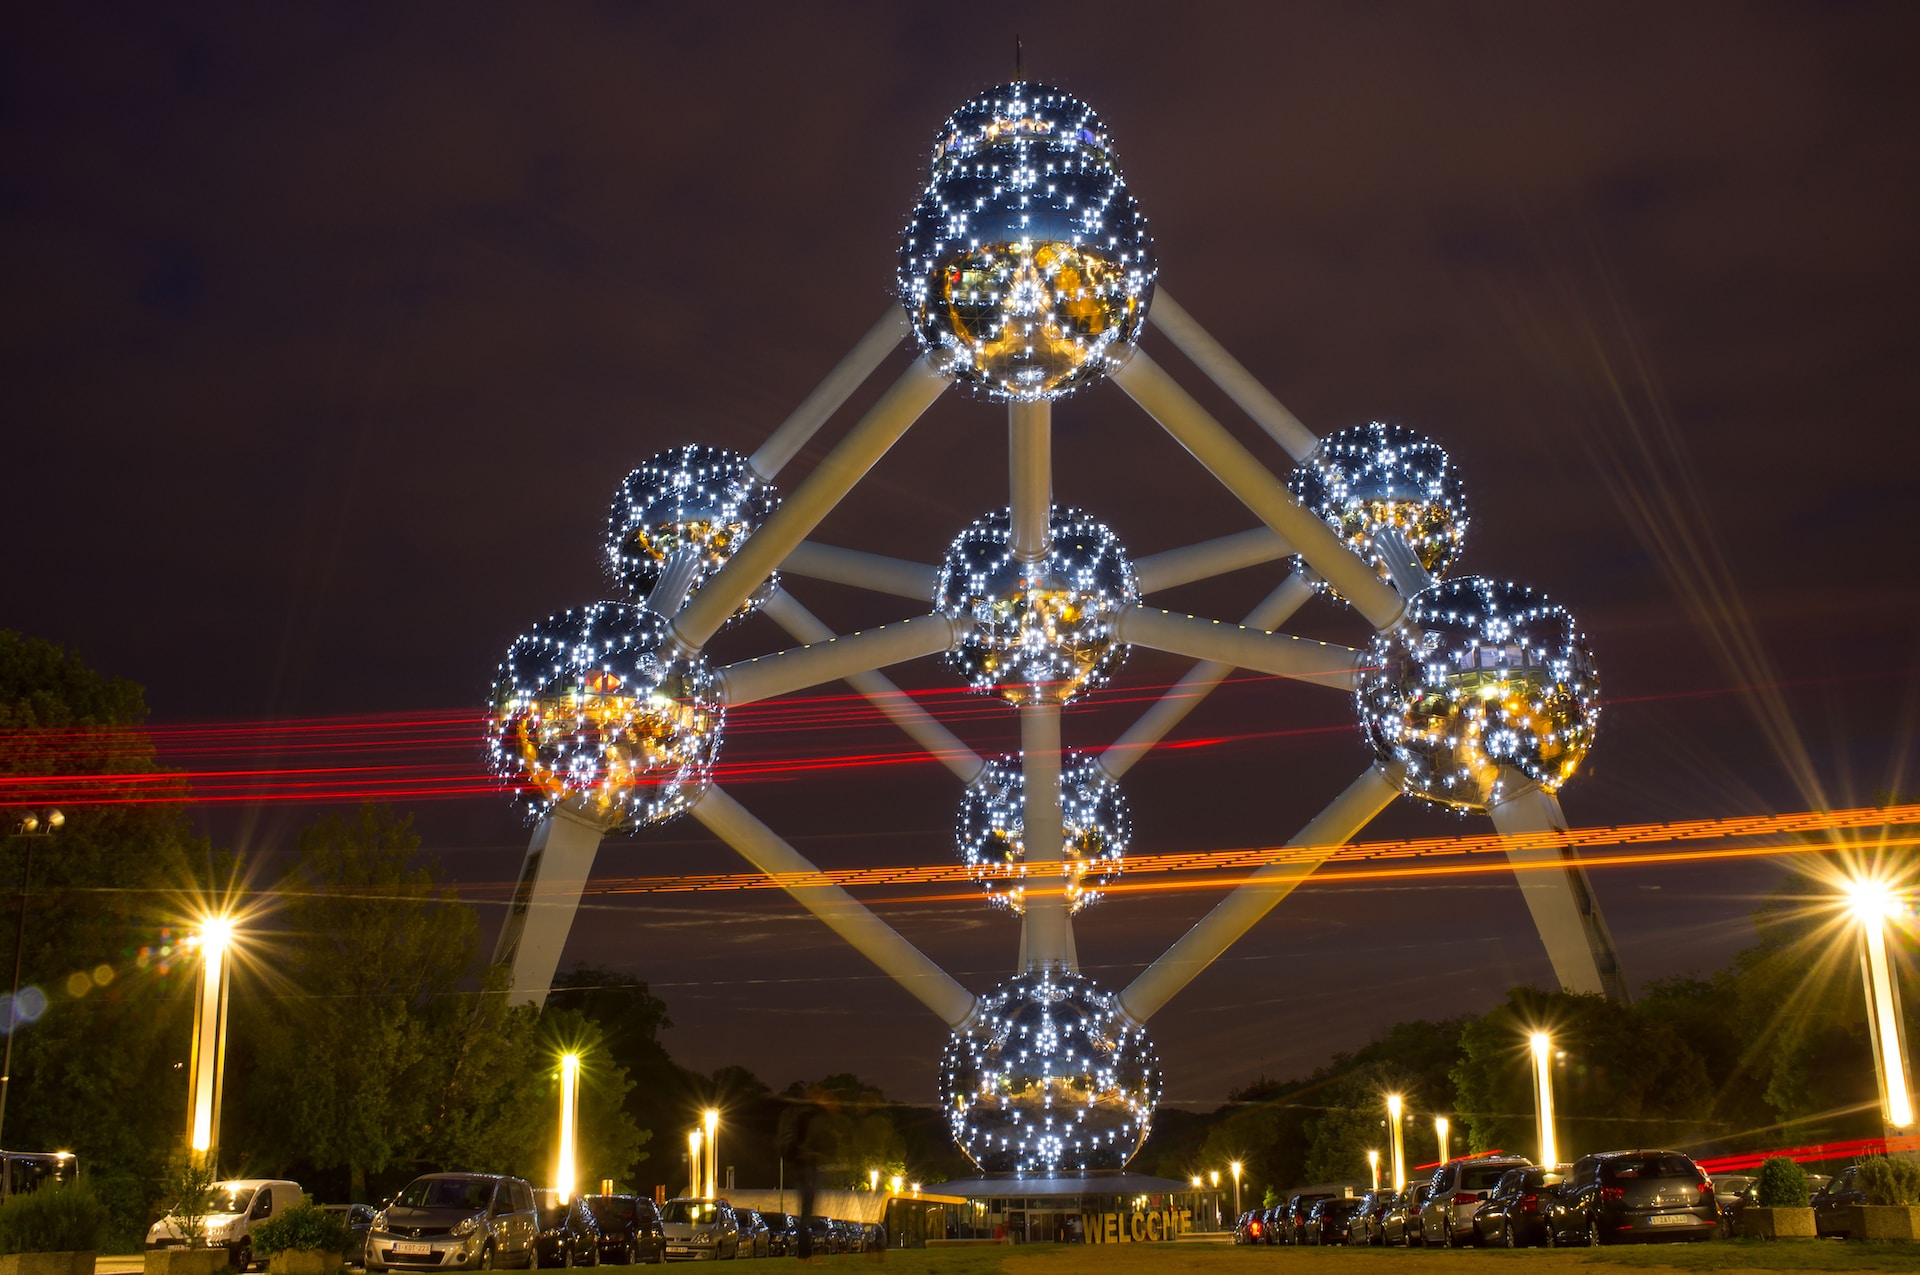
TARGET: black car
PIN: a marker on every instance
(783, 1234)
(1273, 1225)
(568, 1236)
(1620, 1197)
(1363, 1224)
(1514, 1215)
(358, 1219)
(1293, 1216)
(1733, 1192)
(629, 1229)
(1400, 1224)
(1833, 1204)
(818, 1236)
(1326, 1221)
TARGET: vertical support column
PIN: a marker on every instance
(553, 876)
(1047, 935)
(1030, 477)
(1559, 896)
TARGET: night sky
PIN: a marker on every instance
(327, 332)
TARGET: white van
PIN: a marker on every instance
(233, 1210)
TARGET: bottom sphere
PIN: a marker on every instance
(1049, 1075)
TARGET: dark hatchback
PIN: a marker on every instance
(1514, 1214)
(783, 1234)
(1326, 1221)
(629, 1229)
(1833, 1203)
(358, 1219)
(1400, 1224)
(1293, 1217)
(568, 1235)
(1363, 1224)
(1624, 1197)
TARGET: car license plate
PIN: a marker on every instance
(1672, 1219)
(676, 1248)
(407, 1246)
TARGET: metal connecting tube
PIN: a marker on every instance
(818, 407)
(1280, 654)
(941, 744)
(1225, 371)
(1209, 558)
(1241, 910)
(862, 570)
(803, 509)
(1576, 937)
(1046, 937)
(835, 659)
(553, 876)
(845, 915)
(1148, 384)
(1030, 477)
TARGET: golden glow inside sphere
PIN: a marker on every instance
(1026, 263)
(694, 503)
(1483, 682)
(596, 708)
(1040, 631)
(1049, 1076)
(991, 831)
(1379, 477)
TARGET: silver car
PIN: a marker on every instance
(1459, 1188)
(455, 1221)
(699, 1230)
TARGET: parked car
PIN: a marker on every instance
(699, 1230)
(629, 1229)
(1247, 1227)
(820, 1237)
(466, 1221)
(756, 1240)
(1733, 1192)
(1459, 1187)
(1363, 1224)
(1622, 1196)
(1514, 1214)
(783, 1234)
(1833, 1203)
(24, 1171)
(358, 1219)
(1400, 1224)
(233, 1211)
(568, 1235)
(1293, 1216)
(1271, 1224)
(1326, 1221)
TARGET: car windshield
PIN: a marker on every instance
(470, 1194)
(227, 1199)
(694, 1211)
(552, 1215)
(1656, 1165)
(611, 1210)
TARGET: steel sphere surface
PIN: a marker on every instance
(693, 505)
(597, 708)
(1040, 631)
(1026, 260)
(1376, 478)
(1049, 1075)
(991, 830)
(1482, 680)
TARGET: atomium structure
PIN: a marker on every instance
(1025, 273)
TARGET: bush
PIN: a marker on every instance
(1782, 1185)
(304, 1228)
(1887, 1181)
(61, 1217)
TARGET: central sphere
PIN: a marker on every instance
(1049, 1075)
(1040, 631)
(1481, 680)
(692, 505)
(992, 830)
(1379, 477)
(1026, 259)
(596, 707)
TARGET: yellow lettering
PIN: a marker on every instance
(1137, 1224)
(1156, 1227)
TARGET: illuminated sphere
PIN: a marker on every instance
(597, 708)
(992, 828)
(1040, 631)
(691, 501)
(1049, 1075)
(1497, 680)
(1379, 477)
(1026, 261)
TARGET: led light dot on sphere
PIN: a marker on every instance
(992, 830)
(703, 501)
(1482, 678)
(598, 708)
(1378, 477)
(1049, 1075)
(1040, 631)
(1026, 260)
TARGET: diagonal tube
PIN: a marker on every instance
(1046, 937)
(1302, 659)
(942, 744)
(1241, 910)
(797, 668)
(1148, 384)
(818, 407)
(811, 501)
(1225, 371)
(1185, 695)
(862, 570)
(845, 915)
(1209, 558)
(1562, 903)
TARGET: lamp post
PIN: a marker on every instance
(713, 1153)
(873, 1179)
(1215, 1175)
(894, 1183)
(1543, 1096)
(563, 1169)
(30, 830)
(1397, 1147)
(696, 1163)
(1235, 1166)
(1440, 1130)
(210, 1038)
(1872, 902)
(1373, 1167)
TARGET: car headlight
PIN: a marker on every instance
(466, 1225)
(703, 1237)
(379, 1222)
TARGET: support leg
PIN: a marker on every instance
(1046, 938)
(553, 876)
(1561, 901)
(1225, 371)
(814, 410)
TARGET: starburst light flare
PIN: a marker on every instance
(991, 831)
(1026, 259)
(1378, 477)
(1482, 677)
(690, 505)
(599, 708)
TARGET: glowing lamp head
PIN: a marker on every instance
(1214, 1175)
(694, 503)
(1026, 263)
(1482, 679)
(1049, 1076)
(1541, 1043)
(1871, 900)
(991, 831)
(1039, 631)
(1377, 478)
(216, 934)
(1393, 1105)
(711, 1120)
(1235, 1169)
(598, 708)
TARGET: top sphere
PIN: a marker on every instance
(1026, 259)
(680, 516)
(1377, 478)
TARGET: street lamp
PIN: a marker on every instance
(696, 1164)
(30, 829)
(215, 940)
(1872, 902)
(563, 1170)
(893, 1183)
(1215, 1175)
(873, 1179)
(713, 1153)
(1373, 1167)
(1543, 1096)
(1440, 1129)
(1399, 1149)
(1235, 1166)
